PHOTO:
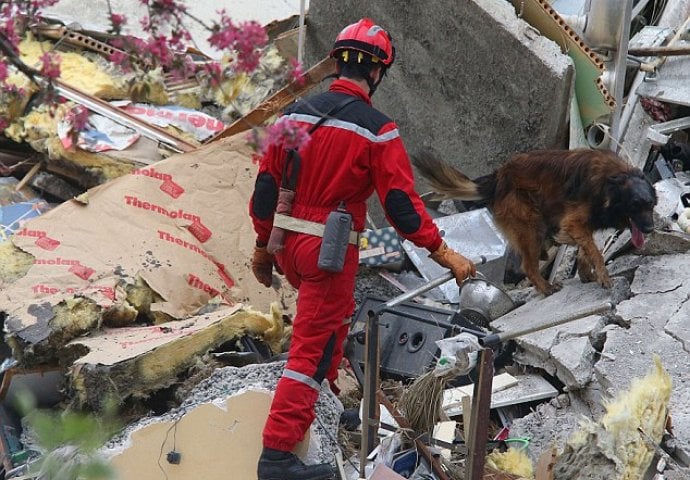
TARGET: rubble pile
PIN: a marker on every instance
(125, 271)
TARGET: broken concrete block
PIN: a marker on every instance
(566, 351)
(218, 439)
(654, 322)
(219, 429)
(663, 243)
(574, 360)
(550, 423)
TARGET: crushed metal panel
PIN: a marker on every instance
(214, 441)
(473, 234)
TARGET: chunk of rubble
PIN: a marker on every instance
(655, 321)
(567, 351)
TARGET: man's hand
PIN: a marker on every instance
(262, 266)
(456, 263)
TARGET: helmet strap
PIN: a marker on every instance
(374, 85)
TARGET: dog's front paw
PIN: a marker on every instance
(605, 281)
(585, 273)
(550, 288)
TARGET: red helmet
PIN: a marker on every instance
(367, 37)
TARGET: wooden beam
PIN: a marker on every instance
(279, 100)
(479, 418)
(30, 174)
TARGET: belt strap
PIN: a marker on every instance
(308, 227)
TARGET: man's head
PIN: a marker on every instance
(364, 51)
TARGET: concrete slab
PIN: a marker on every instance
(137, 361)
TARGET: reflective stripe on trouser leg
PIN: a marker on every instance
(321, 369)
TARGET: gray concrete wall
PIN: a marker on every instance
(470, 79)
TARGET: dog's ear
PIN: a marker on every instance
(618, 180)
(613, 189)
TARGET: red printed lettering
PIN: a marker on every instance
(200, 231)
(55, 261)
(82, 271)
(152, 207)
(25, 232)
(224, 275)
(47, 243)
(196, 120)
(214, 124)
(172, 188)
(196, 282)
(153, 173)
(40, 288)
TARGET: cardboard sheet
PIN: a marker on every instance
(182, 225)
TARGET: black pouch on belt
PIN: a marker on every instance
(336, 238)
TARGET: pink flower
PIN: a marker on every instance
(287, 133)
(78, 116)
(117, 21)
(214, 73)
(297, 72)
(50, 65)
(120, 58)
(247, 39)
(3, 71)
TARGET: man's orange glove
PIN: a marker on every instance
(262, 266)
(456, 263)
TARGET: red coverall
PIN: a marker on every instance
(346, 159)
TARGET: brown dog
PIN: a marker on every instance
(560, 195)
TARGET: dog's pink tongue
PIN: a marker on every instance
(637, 236)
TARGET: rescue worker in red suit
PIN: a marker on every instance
(355, 152)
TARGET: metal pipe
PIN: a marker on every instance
(652, 66)
(603, 28)
(497, 338)
(97, 105)
(621, 62)
(300, 33)
(370, 406)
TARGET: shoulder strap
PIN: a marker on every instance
(293, 160)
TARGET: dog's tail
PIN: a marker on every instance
(445, 180)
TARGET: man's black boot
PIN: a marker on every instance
(277, 465)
